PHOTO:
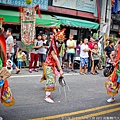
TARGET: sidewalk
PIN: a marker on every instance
(24, 71)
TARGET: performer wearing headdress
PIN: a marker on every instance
(113, 83)
(49, 69)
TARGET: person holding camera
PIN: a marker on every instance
(34, 55)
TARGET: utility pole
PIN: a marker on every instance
(103, 14)
(102, 23)
(108, 17)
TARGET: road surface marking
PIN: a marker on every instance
(38, 75)
(95, 114)
(79, 112)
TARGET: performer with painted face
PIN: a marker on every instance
(49, 69)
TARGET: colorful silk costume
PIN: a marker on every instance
(113, 83)
(49, 70)
(5, 93)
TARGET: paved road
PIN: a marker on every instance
(85, 98)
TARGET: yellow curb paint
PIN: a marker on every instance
(75, 113)
(95, 114)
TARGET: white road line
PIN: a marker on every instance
(38, 75)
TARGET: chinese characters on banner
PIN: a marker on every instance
(28, 17)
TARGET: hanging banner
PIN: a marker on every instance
(42, 3)
(1, 20)
(28, 17)
(0, 23)
(82, 5)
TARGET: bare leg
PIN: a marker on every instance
(67, 65)
(72, 66)
(85, 67)
(80, 69)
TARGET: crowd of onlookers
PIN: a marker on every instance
(87, 50)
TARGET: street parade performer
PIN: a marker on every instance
(113, 83)
(49, 69)
(6, 97)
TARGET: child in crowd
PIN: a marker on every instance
(61, 54)
(78, 48)
(20, 55)
(95, 59)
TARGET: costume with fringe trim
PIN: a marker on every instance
(49, 68)
(6, 96)
(113, 82)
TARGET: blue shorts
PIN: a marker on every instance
(83, 62)
(19, 63)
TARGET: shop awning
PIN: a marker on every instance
(77, 22)
(14, 18)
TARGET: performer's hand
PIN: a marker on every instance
(61, 72)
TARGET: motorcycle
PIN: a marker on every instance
(108, 69)
(77, 62)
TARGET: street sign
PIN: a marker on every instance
(42, 3)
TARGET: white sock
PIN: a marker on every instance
(48, 94)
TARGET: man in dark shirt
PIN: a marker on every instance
(16, 48)
(109, 49)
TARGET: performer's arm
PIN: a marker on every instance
(57, 61)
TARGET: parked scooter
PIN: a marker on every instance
(76, 62)
(109, 68)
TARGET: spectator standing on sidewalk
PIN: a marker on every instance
(61, 54)
(78, 48)
(34, 55)
(109, 49)
(71, 45)
(91, 46)
(95, 59)
(42, 51)
(84, 56)
(16, 48)
(10, 48)
(19, 55)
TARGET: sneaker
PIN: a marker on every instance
(1, 118)
(30, 70)
(112, 99)
(73, 70)
(35, 70)
(49, 100)
(67, 71)
(41, 68)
